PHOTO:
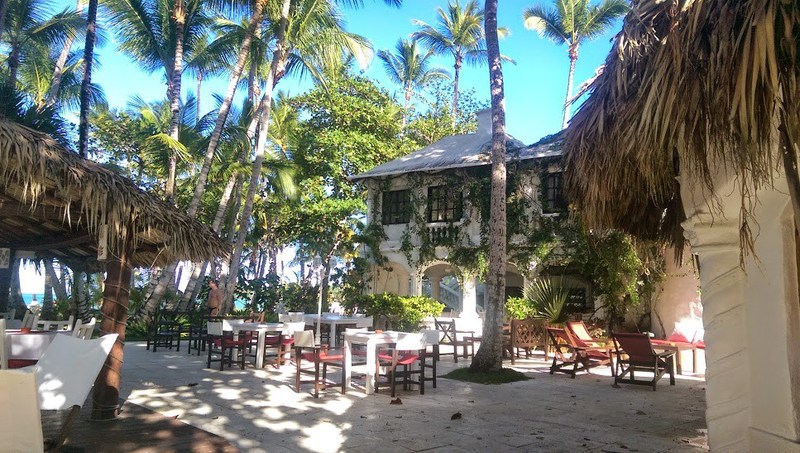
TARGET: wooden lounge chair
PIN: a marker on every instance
(635, 353)
(580, 332)
(570, 355)
(527, 335)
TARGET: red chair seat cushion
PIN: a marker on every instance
(323, 356)
(402, 359)
(19, 363)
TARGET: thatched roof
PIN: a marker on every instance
(53, 202)
(462, 151)
(689, 85)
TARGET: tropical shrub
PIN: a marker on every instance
(546, 301)
(396, 312)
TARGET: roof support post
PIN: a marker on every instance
(114, 311)
(5, 288)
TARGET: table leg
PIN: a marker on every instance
(332, 334)
(694, 360)
(262, 335)
(348, 363)
(369, 386)
(678, 362)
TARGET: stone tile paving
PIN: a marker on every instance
(259, 411)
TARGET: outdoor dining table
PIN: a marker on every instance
(29, 345)
(332, 320)
(372, 340)
(677, 347)
(262, 328)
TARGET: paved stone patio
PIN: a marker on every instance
(258, 410)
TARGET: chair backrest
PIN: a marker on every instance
(528, 332)
(3, 356)
(349, 330)
(636, 345)
(284, 317)
(296, 316)
(579, 331)
(366, 321)
(20, 419)
(68, 368)
(448, 329)
(559, 336)
(304, 339)
(30, 319)
(290, 328)
(431, 336)
(411, 342)
(84, 331)
(215, 328)
(53, 325)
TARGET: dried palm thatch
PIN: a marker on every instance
(54, 203)
(695, 84)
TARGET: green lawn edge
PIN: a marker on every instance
(504, 376)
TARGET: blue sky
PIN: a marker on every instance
(535, 86)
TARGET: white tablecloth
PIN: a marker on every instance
(261, 327)
(28, 346)
(333, 321)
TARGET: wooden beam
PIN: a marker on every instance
(53, 242)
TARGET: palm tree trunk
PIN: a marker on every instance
(224, 109)
(276, 67)
(197, 100)
(13, 64)
(88, 58)
(174, 94)
(47, 299)
(489, 356)
(456, 73)
(405, 109)
(573, 57)
(58, 70)
(116, 294)
(58, 283)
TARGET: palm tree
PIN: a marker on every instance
(490, 355)
(459, 32)
(86, 81)
(157, 41)
(409, 68)
(572, 22)
(28, 26)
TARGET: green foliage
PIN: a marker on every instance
(435, 121)
(504, 376)
(264, 294)
(546, 300)
(399, 312)
(518, 308)
(136, 330)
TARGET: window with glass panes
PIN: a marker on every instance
(554, 200)
(444, 204)
(396, 207)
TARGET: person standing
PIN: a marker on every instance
(214, 298)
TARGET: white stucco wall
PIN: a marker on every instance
(751, 316)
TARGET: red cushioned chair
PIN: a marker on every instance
(410, 353)
(306, 349)
(570, 355)
(635, 353)
(223, 343)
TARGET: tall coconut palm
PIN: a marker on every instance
(307, 33)
(28, 25)
(157, 41)
(86, 81)
(410, 68)
(458, 32)
(572, 22)
(490, 355)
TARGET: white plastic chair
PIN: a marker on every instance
(54, 325)
(20, 419)
(30, 319)
(84, 331)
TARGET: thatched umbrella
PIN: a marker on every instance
(688, 83)
(56, 204)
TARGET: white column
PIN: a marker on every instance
(436, 281)
(415, 284)
(724, 320)
(469, 298)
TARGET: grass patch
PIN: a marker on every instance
(504, 376)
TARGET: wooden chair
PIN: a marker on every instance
(83, 330)
(165, 330)
(222, 342)
(579, 331)
(410, 353)
(571, 356)
(635, 353)
(320, 356)
(527, 335)
(455, 338)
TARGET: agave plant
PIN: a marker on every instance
(547, 301)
